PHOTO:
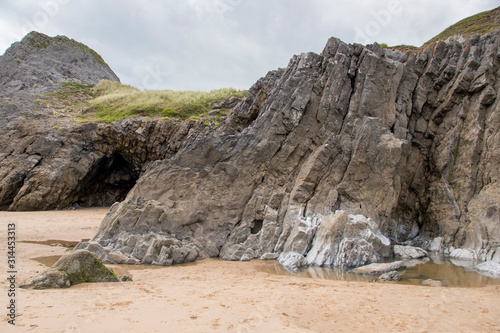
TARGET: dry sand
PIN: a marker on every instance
(218, 296)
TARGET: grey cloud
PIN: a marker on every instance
(203, 45)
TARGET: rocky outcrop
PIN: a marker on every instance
(40, 64)
(45, 165)
(87, 165)
(338, 240)
(74, 268)
(405, 143)
(330, 161)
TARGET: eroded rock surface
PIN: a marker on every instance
(408, 142)
(329, 161)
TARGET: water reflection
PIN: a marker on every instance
(442, 269)
(56, 242)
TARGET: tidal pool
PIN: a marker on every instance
(451, 272)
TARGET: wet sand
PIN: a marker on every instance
(219, 296)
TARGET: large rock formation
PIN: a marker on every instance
(40, 63)
(43, 168)
(328, 160)
(44, 165)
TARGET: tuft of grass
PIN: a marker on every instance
(71, 95)
(116, 101)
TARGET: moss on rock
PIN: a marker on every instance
(78, 267)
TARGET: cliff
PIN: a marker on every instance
(330, 161)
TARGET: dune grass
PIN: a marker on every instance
(115, 101)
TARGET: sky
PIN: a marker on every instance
(212, 44)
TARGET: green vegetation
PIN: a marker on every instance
(405, 48)
(110, 101)
(478, 24)
(72, 95)
(39, 40)
(384, 45)
(116, 101)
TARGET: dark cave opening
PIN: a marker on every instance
(108, 182)
(257, 226)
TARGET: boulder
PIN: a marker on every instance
(292, 261)
(489, 268)
(125, 278)
(436, 244)
(389, 276)
(433, 283)
(377, 269)
(345, 241)
(408, 252)
(269, 256)
(77, 267)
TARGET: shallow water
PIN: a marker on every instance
(48, 261)
(56, 242)
(452, 273)
(441, 269)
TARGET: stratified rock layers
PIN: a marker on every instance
(329, 161)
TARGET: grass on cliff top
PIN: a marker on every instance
(115, 101)
(479, 24)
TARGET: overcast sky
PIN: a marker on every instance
(210, 44)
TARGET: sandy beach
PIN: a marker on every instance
(219, 296)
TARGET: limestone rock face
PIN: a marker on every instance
(408, 142)
(40, 63)
(329, 161)
(74, 268)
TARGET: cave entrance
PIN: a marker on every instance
(108, 182)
